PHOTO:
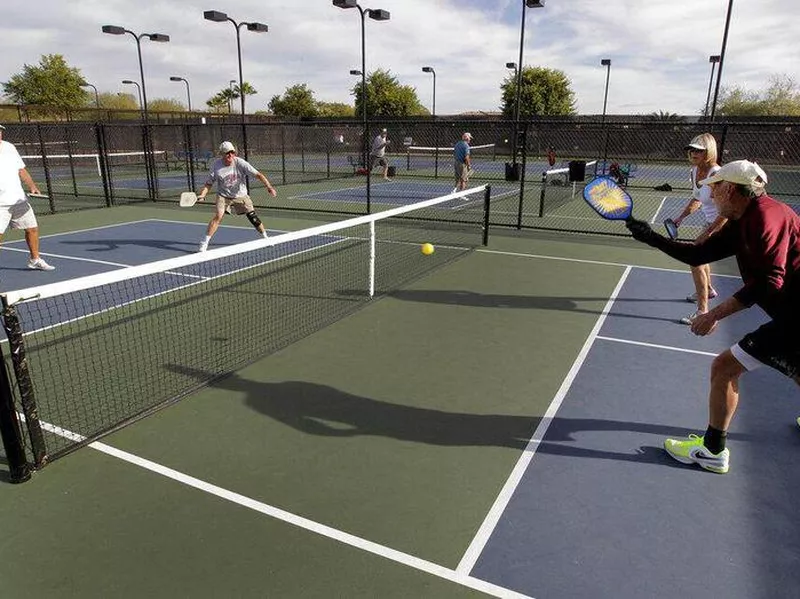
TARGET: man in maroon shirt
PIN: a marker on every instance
(764, 235)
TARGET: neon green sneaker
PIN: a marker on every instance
(692, 451)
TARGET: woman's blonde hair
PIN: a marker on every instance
(707, 141)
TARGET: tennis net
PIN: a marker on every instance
(557, 190)
(422, 157)
(89, 163)
(93, 354)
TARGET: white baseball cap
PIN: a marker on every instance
(226, 147)
(1, 127)
(467, 135)
(742, 172)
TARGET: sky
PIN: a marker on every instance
(659, 48)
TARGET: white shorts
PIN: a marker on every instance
(20, 215)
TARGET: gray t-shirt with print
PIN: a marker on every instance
(231, 180)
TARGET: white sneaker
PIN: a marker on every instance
(264, 235)
(39, 264)
(690, 319)
(693, 298)
(203, 246)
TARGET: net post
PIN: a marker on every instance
(541, 194)
(100, 134)
(371, 258)
(283, 154)
(68, 136)
(19, 470)
(47, 178)
(524, 135)
(25, 385)
(487, 197)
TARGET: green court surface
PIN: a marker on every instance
(358, 462)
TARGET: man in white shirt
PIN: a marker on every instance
(377, 153)
(14, 206)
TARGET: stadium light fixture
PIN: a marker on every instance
(606, 62)
(155, 37)
(220, 17)
(713, 59)
(430, 70)
(376, 14)
(96, 95)
(188, 95)
(525, 4)
(138, 89)
(355, 72)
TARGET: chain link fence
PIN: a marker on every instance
(319, 165)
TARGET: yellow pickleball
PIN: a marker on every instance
(427, 249)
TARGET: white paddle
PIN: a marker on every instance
(188, 199)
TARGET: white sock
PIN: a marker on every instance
(207, 238)
(264, 234)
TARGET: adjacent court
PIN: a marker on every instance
(489, 427)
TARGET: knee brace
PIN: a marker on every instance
(253, 218)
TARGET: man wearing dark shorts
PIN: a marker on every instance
(764, 235)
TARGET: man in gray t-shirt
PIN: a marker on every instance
(230, 173)
(377, 153)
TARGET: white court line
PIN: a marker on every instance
(598, 262)
(323, 530)
(478, 543)
(658, 210)
(328, 191)
(657, 346)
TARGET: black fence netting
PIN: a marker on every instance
(325, 166)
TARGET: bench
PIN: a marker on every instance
(197, 157)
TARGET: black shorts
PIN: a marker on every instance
(774, 345)
(376, 160)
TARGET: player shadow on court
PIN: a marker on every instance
(323, 410)
(490, 300)
(110, 245)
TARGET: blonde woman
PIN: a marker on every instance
(702, 152)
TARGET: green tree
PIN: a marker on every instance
(50, 83)
(387, 97)
(118, 101)
(297, 100)
(335, 109)
(544, 92)
(780, 98)
(165, 105)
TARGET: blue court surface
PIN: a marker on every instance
(596, 508)
(403, 192)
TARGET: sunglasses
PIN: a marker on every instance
(695, 151)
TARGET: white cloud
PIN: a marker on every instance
(659, 49)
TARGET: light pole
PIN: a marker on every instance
(221, 17)
(153, 37)
(188, 95)
(138, 89)
(525, 4)
(713, 59)
(722, 57)
(96, 95)
(430, 70)
(376, 14)
(606, 62)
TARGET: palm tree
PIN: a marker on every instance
(664, 117)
